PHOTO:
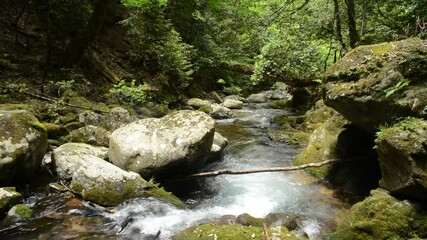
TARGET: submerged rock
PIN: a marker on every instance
(374, 85)
(382, 216)
(20, 211)
(175, 144)
(402, 151)
(23, 143)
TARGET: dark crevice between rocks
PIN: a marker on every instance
(359, 171)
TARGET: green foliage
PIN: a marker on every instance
(156, 46)
(395, 88)
(286, 58)
(131, 92)
(55, 108)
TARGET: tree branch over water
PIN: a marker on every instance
(259, 170)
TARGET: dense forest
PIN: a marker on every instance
(117, 118)
(144, 50)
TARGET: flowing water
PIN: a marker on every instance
(256, 194)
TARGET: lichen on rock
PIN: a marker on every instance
(23, 143)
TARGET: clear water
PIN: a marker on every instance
(256, 194)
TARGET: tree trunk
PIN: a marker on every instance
(352, 31)
(77, 47)
(338, 26)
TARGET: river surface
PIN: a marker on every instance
(60, 217)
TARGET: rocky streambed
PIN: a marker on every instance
(292, 203)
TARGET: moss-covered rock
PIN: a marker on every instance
(402, 151)
(54, 131)
(324, 125)
(379, 217)
(101, 182)
(248, 220)
(23, 143)
(197, 103)
(20, 211)
(233, 232)
(96, 136)
(374, 85)
(8, 197)
(233, 104)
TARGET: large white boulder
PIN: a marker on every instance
(172, 145)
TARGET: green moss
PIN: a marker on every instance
(380, 216)
(22, 211)
(248, 220)
(381, 49)
(80, 101)
(280, 104)
(73, 126)
(69, 117)
(206, 109)
(8, 198)
(232, 232)
(153, 190)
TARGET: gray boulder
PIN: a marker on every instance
(402, 153)
(220, 112)
(374, 85)
(92, 135)
(67, 158)
(116, 118)
(233, 104)
(175, 144)
(91, 118)
(23, 142)
(257, 98)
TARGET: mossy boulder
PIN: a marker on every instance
(247, 220)
(96, 136)
(67, 158)
(381, 217)
(402, 151)
(178, 143)
(324, 125)
(8, 197)
(374, 85)
(100, 182)
(23, 143)
(233, 232)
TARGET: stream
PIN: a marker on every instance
(60, 217)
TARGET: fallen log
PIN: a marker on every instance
(259, 170)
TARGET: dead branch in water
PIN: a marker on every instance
(259, 170)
